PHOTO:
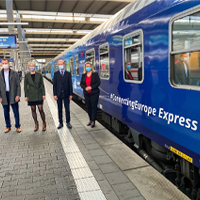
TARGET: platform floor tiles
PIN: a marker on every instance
(82, 163)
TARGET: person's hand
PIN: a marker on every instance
(55, 98)
(17, 98)
(89, 87)
(43, 97)
(26, 98)
(70, 97)
(1, 100)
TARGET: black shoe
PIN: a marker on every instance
(92, 124)
(60, 126)
(69, 125)
(89, 123)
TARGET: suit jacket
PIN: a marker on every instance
(180, 76)
(34, 90)
(15, 88)
(95, 82)
(57, 84)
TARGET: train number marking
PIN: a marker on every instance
(179, 153)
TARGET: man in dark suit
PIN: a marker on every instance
(182, 72)
(10, 92)
(62, 91)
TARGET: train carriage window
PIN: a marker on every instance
(90, 57)
(133, 57)
(77, 65)
(71, 63)
(185, 51)
(104, 61)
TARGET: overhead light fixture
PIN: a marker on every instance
(64, 18)
(84, 31)
(79, 18)
(49, 45)
(73, 39)
(48, 49)
(53, 39)
(24, 51)
(92, 19)
(3, 15)
(14, 23)
(22, 42)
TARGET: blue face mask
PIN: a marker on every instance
(32, 69)
(88, 69)
(60, 67)
(128, 66)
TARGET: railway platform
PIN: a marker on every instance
(80, 163)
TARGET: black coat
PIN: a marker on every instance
(57, 84)
(95, 82)
(15, 88)
(180, 76)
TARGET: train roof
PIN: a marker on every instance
(119, 16)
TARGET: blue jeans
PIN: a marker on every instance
(15, 108)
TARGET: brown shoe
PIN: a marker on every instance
(44, 126)
(36, 126)
(7, 129)
(18, 130)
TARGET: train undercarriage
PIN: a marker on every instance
(179, 171)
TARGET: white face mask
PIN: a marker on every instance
(185, 59)
(5, 66)
(60, 67)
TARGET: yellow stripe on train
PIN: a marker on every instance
(179, 153)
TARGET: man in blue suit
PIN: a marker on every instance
(62, 91)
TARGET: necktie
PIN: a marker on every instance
(62, 73)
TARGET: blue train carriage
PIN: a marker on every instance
(159, 104)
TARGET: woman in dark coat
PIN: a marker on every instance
(35, 93)
(90, 83)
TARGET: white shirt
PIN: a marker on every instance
(6, 76)
(185, 69)
(62, 71)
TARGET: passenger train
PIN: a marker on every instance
(161, 104)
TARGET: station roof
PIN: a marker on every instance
(54, 25)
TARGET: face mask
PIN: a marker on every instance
(128, 66)
(5, 66)
(88, 69)
(185, 59)
(32, 69)
(60, 67)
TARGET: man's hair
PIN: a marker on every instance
(5, 59)
(182, 54)
(127, 62)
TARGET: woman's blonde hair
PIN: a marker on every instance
(92, 68)
(32, 62)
